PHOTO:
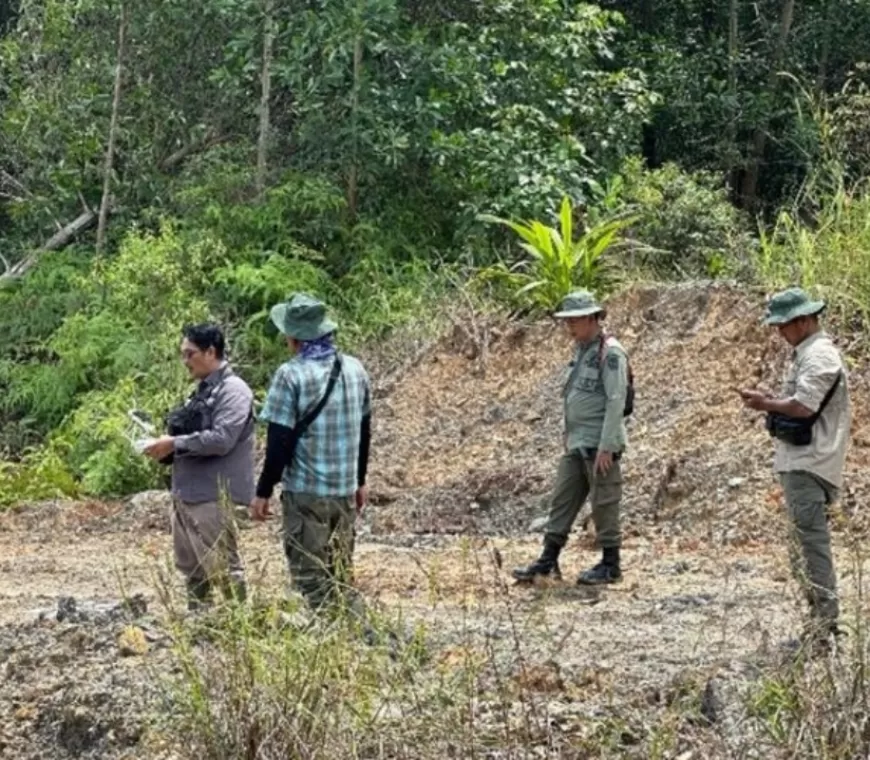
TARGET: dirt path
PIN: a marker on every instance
(676, 606)
(687, 614)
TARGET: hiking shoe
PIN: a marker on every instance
(606, 571)
(545, 565)
(198, 595)
(600, 574)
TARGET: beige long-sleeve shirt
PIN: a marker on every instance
(813, 371)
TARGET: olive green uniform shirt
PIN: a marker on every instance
(594, 397)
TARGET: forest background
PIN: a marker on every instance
(161, 164)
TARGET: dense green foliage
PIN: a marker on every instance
(357, 148)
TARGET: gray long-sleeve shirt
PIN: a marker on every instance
(221, 456)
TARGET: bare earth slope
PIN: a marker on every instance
(465, 448)
(469, 446)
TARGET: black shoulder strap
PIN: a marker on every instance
(602, 350)
(311, 415)
(828, 396)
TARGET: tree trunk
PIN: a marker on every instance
(749, 188)
(825, 54)
(113, 129)
(648, 16)
(733, 151)
(265, 88)
(353, 173)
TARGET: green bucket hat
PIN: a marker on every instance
(580, 303)
(302, 317)
(789, 305)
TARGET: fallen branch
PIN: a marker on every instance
(63, 236)
(174, 159)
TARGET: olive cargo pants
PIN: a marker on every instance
(318, 543)
(575, 482)
(807, 498)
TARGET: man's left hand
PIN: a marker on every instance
(160, 448)
(603, 462)
(259, 509)
(754, 399)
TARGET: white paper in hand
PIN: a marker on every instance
(140, 444)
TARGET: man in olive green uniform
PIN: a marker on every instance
(594, 401)
(814, 405)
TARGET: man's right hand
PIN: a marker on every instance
(361, 497)
(259, 509)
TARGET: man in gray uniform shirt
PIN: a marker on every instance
(210, 463)
(594, 404)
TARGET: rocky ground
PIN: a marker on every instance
(466, 441)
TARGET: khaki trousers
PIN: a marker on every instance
(575, 482)
(807, 498)
(318, 542)
(205, 542)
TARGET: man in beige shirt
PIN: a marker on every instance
(810, 422)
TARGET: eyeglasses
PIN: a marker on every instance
(189, 353)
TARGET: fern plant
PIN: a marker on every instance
(556, 263)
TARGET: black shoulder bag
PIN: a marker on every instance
(190, 417)
(305, 422)
(798, 431)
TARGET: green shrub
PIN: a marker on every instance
(40, 474)
(301, 213)
(685, 225)
(243, 293)
(830, 255)
(380, 294)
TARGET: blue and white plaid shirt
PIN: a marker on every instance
(327, 455)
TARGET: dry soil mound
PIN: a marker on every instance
(468, 440)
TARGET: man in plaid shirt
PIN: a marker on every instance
(323, 467)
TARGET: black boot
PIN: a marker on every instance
(606, 571)
(238, 591)
(198, 594)
(546, 564)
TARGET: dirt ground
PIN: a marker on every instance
(465, 448)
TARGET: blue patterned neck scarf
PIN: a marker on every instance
(322, 348)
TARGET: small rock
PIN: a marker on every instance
(736, 482)
(132, 642)
(25, 712)
(146, 500)
(67, 608)
(495, 413)
(711, 702)
(678, 568)
(683, 602)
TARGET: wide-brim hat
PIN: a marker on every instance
(580, 303)
(302, 317)
(791, 304)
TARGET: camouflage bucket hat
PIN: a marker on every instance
(789, 305)
(580, 303)
(303, 318)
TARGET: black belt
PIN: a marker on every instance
(592, 453)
